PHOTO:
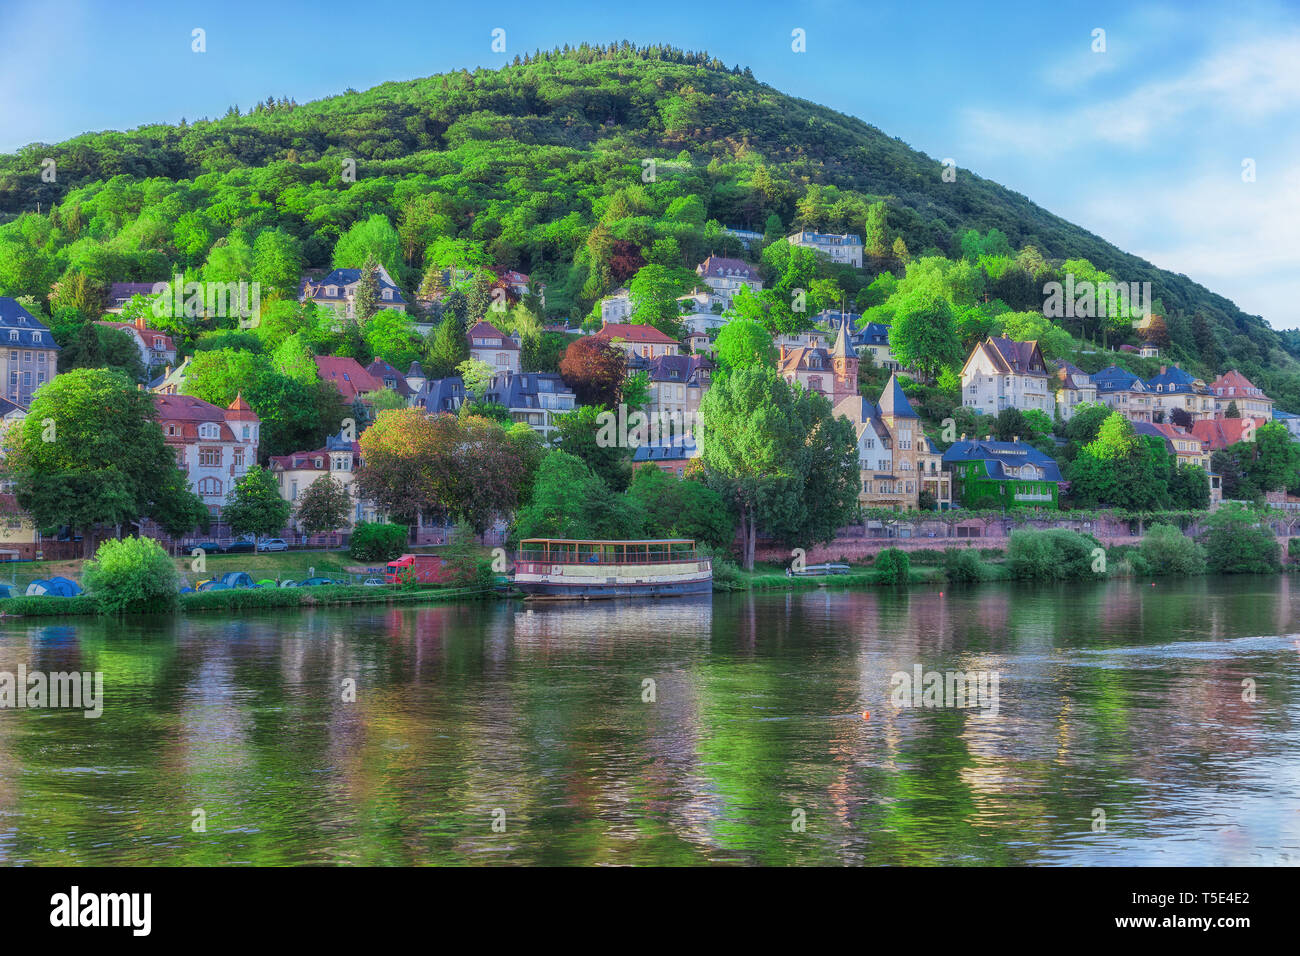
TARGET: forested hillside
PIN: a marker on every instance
(541, 167)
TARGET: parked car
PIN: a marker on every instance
(373, 582)
(237, 547)
(208, 547)
(272, 544)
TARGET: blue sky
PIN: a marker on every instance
(1143, 144)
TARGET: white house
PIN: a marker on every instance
(845, 249)
(1002, 373)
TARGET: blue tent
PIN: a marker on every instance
(54, 587)
(238, 579)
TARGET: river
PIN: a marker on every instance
(728, 729)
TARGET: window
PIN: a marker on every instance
(209, 430)
(36, 338)
(210, 486)
(209, 457)
(171, 429)
(158, 342)
(239, 457)
(40, 358)
(13, 337)
(246, 433)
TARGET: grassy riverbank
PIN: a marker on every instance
(252, 599)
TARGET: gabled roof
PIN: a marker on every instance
(680, 369)
(894, 402)
(1171, 378)
(637, 334)
(306, 460)
(486, 330)
(31, 333)
(140, 333)
(382, 371)
(317, 290)
(120, 293)
(720, 267)
(1235, 385)
(347, 375)
(441, 395)
(1014, 358)
(521, 390)
(999, 456)
(1221, 432)
(1115, 379)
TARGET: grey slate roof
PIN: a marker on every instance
(31, 333)
(441, 395)
(1000, 455)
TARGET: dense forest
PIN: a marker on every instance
(577, 166)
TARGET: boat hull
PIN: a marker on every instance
(591, 591)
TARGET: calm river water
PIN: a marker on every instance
(492, 733)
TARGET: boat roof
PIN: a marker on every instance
(524, 541)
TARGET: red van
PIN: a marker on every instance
(428, 569)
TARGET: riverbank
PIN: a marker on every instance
(245, 599)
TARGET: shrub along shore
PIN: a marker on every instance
(1234, 542)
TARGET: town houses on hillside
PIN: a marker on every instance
(1074, 387)
(1003, 373)
(845, 249)
(213, 446)
(338, 290)
(832, 374)
(990, 474)
(156, 348)
(339, 459)
(725, 277)
(641, 340)
(534, 398)
(490, 345)
(897, 463)
(1173, 388)
(1122, 391)
(30, 356)
(1234, 388)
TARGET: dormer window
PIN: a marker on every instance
(13, 335)
(36, 338)
(331, 290)
(320, 462)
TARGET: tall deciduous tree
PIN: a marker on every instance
(780, 456)
(323, 506)
(90, 454)
(254, 505)
(594, 369)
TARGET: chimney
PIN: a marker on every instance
(139, 322)
(963, 436)
(1163, 369)
(1016, 439)
(782, 351)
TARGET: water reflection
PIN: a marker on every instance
(672, 732)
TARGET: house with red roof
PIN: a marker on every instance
(339, 459)
(489, 344)
(214, 446)
(347, 375)
(1003, 373)
(1233, 387)
(725, 277)
(156, 348)
(1219, 433)
(639, 340)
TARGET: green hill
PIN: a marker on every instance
(541, 167)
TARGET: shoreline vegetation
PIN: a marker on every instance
(1234, 542)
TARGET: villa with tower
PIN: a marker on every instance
(896, 461)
